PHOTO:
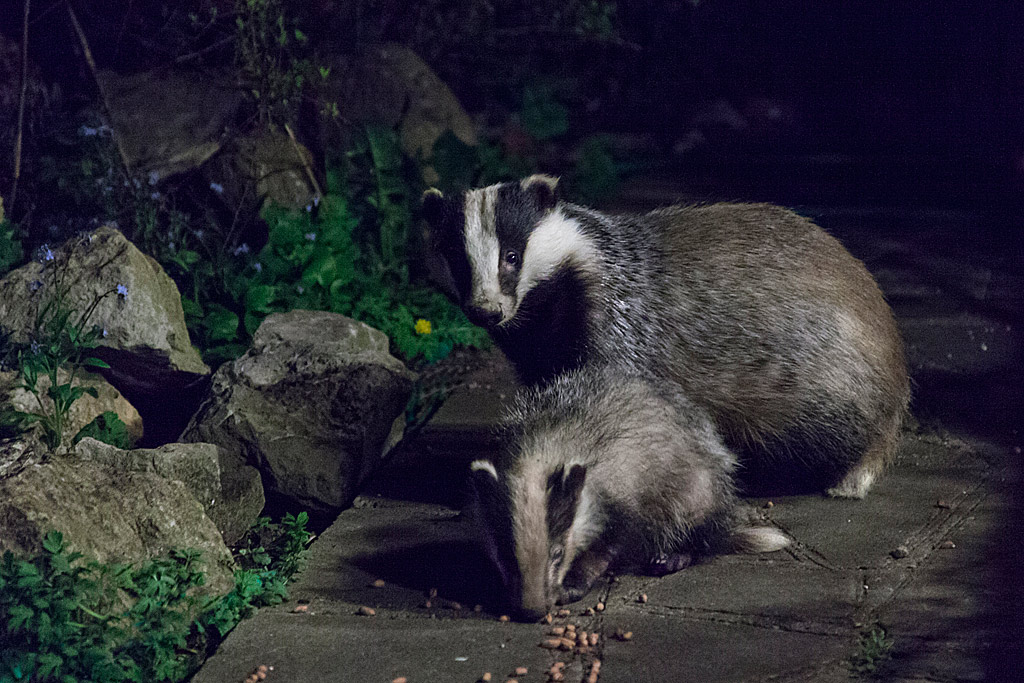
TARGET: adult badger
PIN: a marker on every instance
(602, 468)
(754, 311)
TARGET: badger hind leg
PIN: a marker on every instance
(858, 480)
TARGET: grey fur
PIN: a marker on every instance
(758, 316)
(658, 482)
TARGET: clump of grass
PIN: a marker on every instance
(874, 648)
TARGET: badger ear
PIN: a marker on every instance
(433, 206)
(543, 188)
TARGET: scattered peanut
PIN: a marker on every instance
(456, 605)
(551, 643)
(548, 618)
(365, 611)
(566, 644)
(503, 618)
(592, 640)
(642, 598)
(400, 679)
(300, 608)
(521, 671)
(589, 612)
(556, 677)
(557, 630)
(379, 583)
(563, 613)
(599, 607)
(428, 604)
(947, 545)
(486, 677)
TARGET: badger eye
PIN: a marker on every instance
(557, 553)
(511, 258)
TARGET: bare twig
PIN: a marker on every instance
(99, 85)
(21, 106)
(305, 164)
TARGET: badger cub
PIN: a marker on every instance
(754, 312)
(601, 468)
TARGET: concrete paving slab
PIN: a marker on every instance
(796, 595)
(669, 649)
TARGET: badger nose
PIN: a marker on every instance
(482, 317)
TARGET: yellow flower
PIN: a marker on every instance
(423, 326)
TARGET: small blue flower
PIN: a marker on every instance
(300, 289)
(154, 177)
(258, 266)
(199, 233)
(122, 291)
(35, 347)
(242, 248)
(45, 253)
(104, 333)
(309, 208)
(316, 200)
(88, 131)
(170, 246)
(311, 236)
(154, 195)
(35, 285)
(217, 187)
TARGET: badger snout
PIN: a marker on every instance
(483, 317)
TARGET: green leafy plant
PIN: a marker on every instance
(59, 347)
(347, 252)
(268, 47)
(874, 647)
(108, 428)
(69, 618)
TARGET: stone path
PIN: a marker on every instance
(933, 555)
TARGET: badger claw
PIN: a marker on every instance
(669, 563)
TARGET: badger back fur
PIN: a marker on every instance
(603, 468)
(753, 311)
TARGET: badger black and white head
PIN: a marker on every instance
(500, 241)
(603, 468)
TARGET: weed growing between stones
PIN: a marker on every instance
(58, 349)
(10, 243)
(875, 647)
(68, 618)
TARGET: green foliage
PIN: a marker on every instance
(875, 647)
(107, 428)
(270, 557)
(61, 339)
(68, 618)
(347, 253)
(269, 47)
(596, 19)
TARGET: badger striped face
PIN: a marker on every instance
(499, 242)
(530, 524)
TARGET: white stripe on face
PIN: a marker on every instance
(484, 250)
(555, 240)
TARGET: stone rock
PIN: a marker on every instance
(241, 499)
(390, 85)
(171, 120)
(153, 362)
(83, 411)
(312, 404)
(113, 516)
(232, 496)
(195, 465)
(251, 170)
